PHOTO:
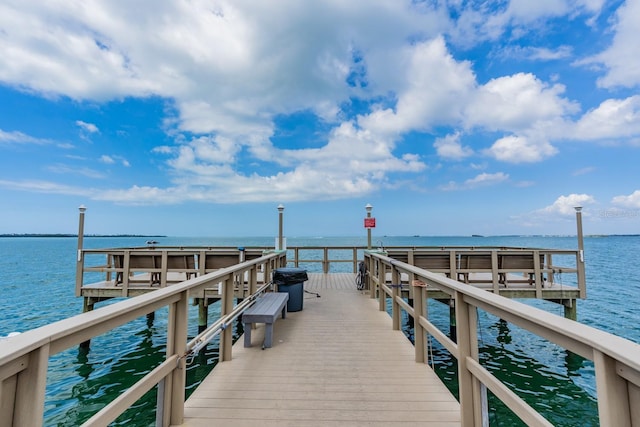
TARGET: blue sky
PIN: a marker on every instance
(198, 118)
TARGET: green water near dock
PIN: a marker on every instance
(37, 279)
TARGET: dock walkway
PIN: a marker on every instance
(335, 363)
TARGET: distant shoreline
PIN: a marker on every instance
(75, 235)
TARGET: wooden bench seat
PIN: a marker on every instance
(265, 310)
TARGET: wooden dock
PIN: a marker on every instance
(335, 363)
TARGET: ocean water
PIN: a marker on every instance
(37, 280)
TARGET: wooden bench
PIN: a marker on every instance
(265, 310)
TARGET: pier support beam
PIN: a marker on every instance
(570, 309)
(87, 305)
(453, 330)
(203, 314)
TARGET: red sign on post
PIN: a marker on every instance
(369, 223)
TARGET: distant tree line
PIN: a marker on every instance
(75, 235)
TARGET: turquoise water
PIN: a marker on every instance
(37, 281)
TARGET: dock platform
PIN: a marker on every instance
(338, 362)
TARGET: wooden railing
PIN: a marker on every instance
(497, 263)
(616, 360)
(498, 267)
(121, 264)
(24, 358)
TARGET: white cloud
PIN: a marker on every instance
(630, 201)
(87, 127)
(520, 149)
(622, 58)
(481, 180)
(83, 171)
(230, 68)
(486, 179)
(482, 21)
(450, 147)
(107, 159)
(516, 102)
(39, 186)
(533, 53)
(613, 118)
(565, 205)
(437, 88)
(16, 137)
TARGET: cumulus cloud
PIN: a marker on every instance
(622, 58)
(450, 147)
(613, 118)
(437, 88)
(565, 205)
(630, 201)
(230, 68)
(520, 149)
(516, 102)
(87, 127)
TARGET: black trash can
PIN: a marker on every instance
(291, 280)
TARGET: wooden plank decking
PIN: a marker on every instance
(335, 363)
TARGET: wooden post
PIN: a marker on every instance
(87, 305)
(280, 228)
(30, 389)
(203, 314)
(570, 309)
(580, 261)
(176, 344)
(382, 280)
(453, 333)
(613, 396)
(467, 347)
(80, 255)
(226, 306)
(371, 268)
(419, 332)
(395, 293)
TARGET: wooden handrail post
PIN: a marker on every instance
(164, 268)
(419, 311)
(494, 272)
(355, 260)
(371, 269)
(80, 255)
(30, 389)
(382, 280)
(537, 275)
(613, 395)
(174, 384)
(126, 272)
(580, 257)
(226, 339)
(395, 293)
(469, 388)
